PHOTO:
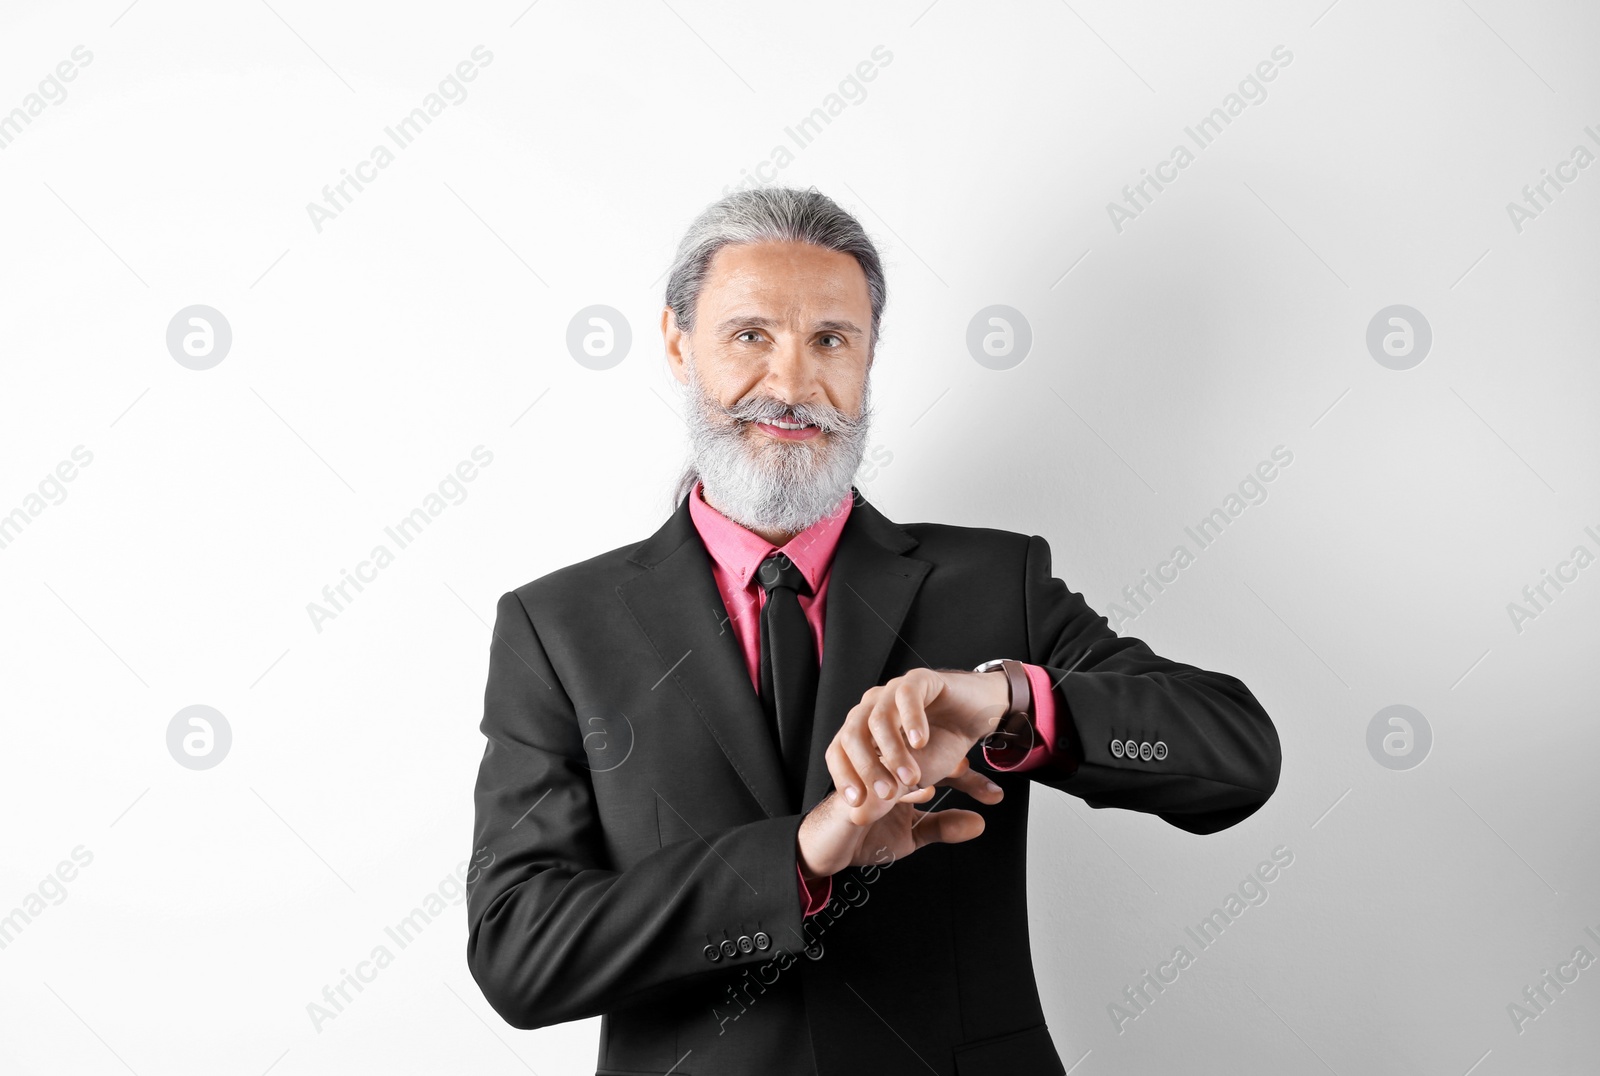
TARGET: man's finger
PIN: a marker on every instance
(976, 785)
(861, 740)
(915, 717)
(947, 827)
(862, 755)
(887, 724)
(845, 779)
(909, 717)
(921, 795)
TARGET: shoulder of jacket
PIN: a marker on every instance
(948, 537)
(582, 578)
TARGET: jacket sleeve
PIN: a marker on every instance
(555, 933)
(1205, 754)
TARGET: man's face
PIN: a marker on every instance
(777, 369)
(785, 320)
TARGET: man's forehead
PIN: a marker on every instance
(762, 261)
(768, 272)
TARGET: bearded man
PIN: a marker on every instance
(700, 812)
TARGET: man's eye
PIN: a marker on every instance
(748, 332)
(834, 336)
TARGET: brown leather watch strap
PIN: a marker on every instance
(1021, 689)
(1015, 731)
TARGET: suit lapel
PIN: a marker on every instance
(676, 604)
(870, 589)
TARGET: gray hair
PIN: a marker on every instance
(763, 214)
(770, 214)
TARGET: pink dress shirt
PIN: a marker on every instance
(737, 552)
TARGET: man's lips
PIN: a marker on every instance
(804, 433)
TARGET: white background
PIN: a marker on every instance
(430, 317)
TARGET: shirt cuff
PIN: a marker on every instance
(812, 903)
(1043, 750)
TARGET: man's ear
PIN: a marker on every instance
(676, 343)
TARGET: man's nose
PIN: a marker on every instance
(791, 372)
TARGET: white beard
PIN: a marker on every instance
(776, 485)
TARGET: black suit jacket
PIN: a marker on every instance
(634, 856)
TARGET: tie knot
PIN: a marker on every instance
(779, 571)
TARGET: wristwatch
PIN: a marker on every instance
(1015, 730)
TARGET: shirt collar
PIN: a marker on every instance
(739, 551)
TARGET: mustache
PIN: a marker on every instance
(828, 418)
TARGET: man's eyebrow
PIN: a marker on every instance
(759, 322)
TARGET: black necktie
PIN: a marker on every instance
(788, 667)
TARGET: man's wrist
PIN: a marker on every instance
(806, 872)
(1000, 693)
(1013, 730)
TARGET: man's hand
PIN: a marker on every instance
(911, 732)
(829, 841)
